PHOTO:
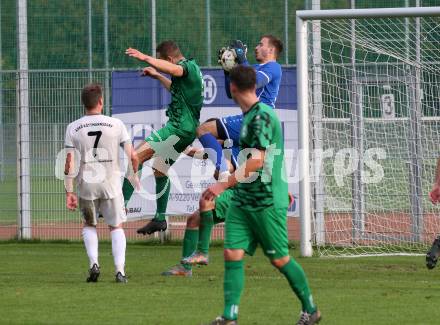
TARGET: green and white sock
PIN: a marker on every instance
(163, 186)
(233, 286)
(297, 279)
(206, 224)
(189, 244)
(127, 188)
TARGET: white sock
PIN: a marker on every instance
(90, 237)
(118, 249)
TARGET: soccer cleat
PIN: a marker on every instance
(153, 226)
(433, 254)
(178, 270)
(120, 278)
(196, 258)
(93, 273)
(309, 319)
(222, 321)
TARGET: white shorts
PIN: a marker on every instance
(113, 210)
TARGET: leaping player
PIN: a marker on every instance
(268, 72)
(186, 88)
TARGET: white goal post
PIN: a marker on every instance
(368, 86)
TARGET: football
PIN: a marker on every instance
(228, 59)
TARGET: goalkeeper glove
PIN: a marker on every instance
(219, 58)
(219, 55)
(240, 50)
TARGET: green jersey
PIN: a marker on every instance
(186, 97)
(261, 130)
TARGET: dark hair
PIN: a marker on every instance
(168, 48)
(243, 77)
(275, 42)
(91, 94)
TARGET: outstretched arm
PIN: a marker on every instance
(240, 51)
(228, 81)
(227, 85)
(152, 72)
(161, 65)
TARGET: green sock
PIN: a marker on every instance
(206, 224)
(127, 188)
(163, 186)
(189, 244)
(233, 286)
(298, 282)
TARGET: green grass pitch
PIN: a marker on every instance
(44, 283)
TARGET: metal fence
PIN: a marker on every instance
(54, 101)
(79, 34)
(73, 42)
(381, 73)
(36, 208)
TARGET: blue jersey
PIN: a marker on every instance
(268, 82)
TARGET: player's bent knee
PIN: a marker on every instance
(208, 127)
(233, 254)
(280, 262)
(158, 173)
(160, 167)
(201, 130)
(144, 152)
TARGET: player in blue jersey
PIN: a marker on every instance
(268, 72)
(268, 69)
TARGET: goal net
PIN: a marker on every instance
(371, 131)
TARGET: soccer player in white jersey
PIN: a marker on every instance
(92, 144)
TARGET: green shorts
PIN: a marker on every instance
(168, 142)
(246, 229)
(222, 204)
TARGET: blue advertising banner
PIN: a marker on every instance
(133, 93)
(140, 102)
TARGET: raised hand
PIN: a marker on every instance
(136, 54)
(240, 50)
(150, 72)
(219, 55)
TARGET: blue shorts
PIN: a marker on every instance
(229, 129)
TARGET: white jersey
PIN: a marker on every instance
(97, 139)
